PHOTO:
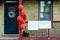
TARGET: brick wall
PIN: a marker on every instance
(1, 20)
(31, 8)
(56, 10)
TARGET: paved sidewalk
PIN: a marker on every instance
(9, 38)
(30, 38)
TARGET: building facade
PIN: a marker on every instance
(32, 9)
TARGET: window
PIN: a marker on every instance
(45, 10)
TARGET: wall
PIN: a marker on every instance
(31, 8)
(1, 20)
(56, 11)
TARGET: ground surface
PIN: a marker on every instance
(30, 38)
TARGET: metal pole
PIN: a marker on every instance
(20, 2)
(48, 34)
(20, 31)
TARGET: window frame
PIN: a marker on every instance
(43, 12)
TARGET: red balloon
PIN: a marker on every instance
(22, 22)
(23, 15)
(22, 26)
(19, 19)
(20, 7)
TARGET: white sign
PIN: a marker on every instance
(36, 25)
(32, 25)
(44, 24)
